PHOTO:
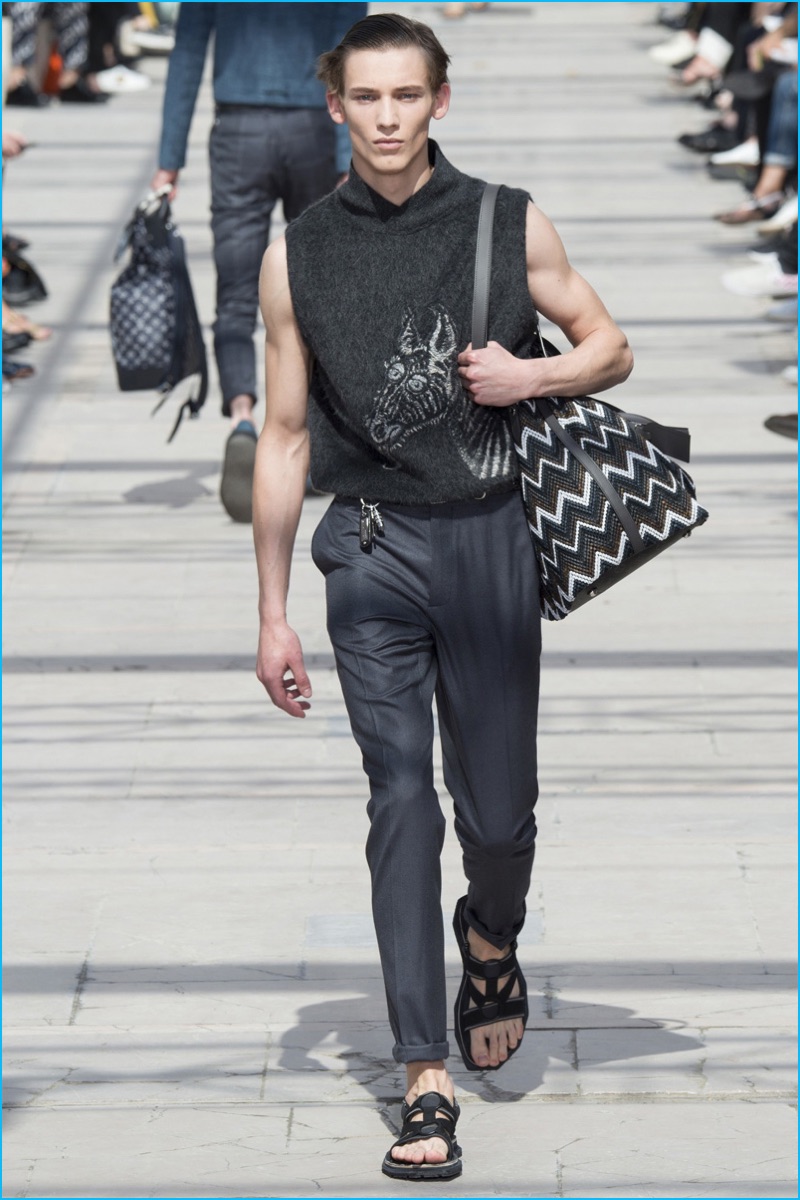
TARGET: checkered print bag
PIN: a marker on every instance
(156, 337)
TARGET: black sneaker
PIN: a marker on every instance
(710, 141)
(236, 488)
(81, 93)
(784, 424)
(26, 96)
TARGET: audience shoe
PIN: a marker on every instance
(122, 79)
(764, 257)
(16, 370)
(789, 375)
(710, 141)
(782, 219)
(784, 424)
(81, 93)
(751, 209)
(746, 154)
(784, 313)
(766, 279)
(154, 41)
(25, 96)
(236, 488)
(677, 49)
(15, 341)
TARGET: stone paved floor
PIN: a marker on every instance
(193, 1002)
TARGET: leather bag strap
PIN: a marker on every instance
(483, 267)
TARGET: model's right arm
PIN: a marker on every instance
(279, 486)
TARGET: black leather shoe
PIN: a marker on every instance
(25, 96)
(81, 93)
(710, 141)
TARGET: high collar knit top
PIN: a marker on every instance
(382, 294)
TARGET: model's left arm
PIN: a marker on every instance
(601, 356)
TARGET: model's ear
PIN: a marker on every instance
(335, 107)
(441, 102)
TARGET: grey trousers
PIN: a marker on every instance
(446, 603)
(258, 155)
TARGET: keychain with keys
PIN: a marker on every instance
(370, 524)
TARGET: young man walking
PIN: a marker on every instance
(430, 575)
(271, 140)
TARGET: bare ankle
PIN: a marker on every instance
(428, 1077)
(481, 949)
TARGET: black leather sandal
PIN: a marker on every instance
(431, 1105)
(474, 1008)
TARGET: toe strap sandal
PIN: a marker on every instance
(475, 1008)
(438, 1119)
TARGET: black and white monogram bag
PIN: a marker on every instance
(601, 491)
(156, 338)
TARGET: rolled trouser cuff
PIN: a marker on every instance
(430, 1053)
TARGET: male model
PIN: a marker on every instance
(430, 575)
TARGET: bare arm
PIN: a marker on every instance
(279, 486)
(601, 356)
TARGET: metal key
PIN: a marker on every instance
(365, 528)
(370, 523)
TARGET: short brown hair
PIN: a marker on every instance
(383, 31)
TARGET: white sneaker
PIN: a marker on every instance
(785, 313)
(782, 219)
(122, 79)
(789, 374)
(764, 257)
(764, 280)
(677, 49)
(155, 41)
(745, 155)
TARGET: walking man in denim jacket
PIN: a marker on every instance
(272, 139)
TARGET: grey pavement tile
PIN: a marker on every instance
(716, 1001)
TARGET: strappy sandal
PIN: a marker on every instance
(431, 1105)
(474, 1008)
(756, 208)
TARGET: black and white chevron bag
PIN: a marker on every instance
(156, 338)
(601, 491)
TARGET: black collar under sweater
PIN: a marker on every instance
(433, 201)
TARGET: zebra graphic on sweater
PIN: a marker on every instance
(422, 389)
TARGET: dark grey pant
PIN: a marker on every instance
(258, 155)
(447, 602)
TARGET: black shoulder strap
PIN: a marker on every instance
(483, 267)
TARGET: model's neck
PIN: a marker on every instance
(396, 188)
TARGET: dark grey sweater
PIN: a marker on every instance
(383, 298)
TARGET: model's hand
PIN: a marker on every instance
(168, 179)
(494, 377)
(281, 670)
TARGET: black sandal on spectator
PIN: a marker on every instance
(756, 208)
(475, 1008)
(438, 1119)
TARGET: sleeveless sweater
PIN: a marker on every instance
(382, 295)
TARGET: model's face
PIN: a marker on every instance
(388, 105)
